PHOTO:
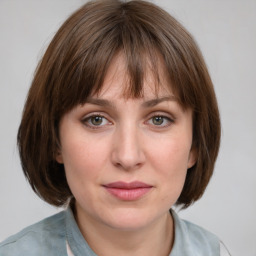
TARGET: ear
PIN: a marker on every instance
(59, 157)
(193, 155)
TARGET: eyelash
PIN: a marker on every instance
(87, 121)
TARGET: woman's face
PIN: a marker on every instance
(126, 159)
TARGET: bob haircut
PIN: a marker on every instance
(73, 68)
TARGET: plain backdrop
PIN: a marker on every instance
(226, 33)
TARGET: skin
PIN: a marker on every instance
(122, 139)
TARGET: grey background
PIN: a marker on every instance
(225, 31)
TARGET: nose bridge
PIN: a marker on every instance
(128, 149)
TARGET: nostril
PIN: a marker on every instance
(127, 161)
(128, 167)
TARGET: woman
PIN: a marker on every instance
(120, 124)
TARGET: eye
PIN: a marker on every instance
(95, 121)
(160, 120)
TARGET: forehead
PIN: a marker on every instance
(118, 82)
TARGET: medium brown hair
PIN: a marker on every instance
(74, 66)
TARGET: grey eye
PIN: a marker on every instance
(158, 120)
(96, 120)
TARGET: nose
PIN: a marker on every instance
(127, 151)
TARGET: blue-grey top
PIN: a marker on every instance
(51, 236)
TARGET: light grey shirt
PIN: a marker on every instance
(59, 235)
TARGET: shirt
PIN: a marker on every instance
(59, 235)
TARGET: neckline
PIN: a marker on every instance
(79, 245)
(75, 239)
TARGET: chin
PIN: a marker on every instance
(129, 219)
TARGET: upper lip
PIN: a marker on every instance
(127, 185)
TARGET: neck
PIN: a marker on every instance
(155, 239)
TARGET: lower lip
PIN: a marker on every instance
(128, 194)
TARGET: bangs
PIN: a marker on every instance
(87, 50)
(86, 73)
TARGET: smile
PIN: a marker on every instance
(128, 191)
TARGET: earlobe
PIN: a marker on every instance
(59, 158)
(193, 155)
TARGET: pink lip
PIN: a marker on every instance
(128, 191)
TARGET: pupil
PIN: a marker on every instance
(97, 120)
(158, 120)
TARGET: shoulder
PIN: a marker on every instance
(37, 238)
(192, 239)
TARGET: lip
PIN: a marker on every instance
(128, 191)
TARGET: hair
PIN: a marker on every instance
(74, 66)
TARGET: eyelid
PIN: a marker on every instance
(163, 114)
(91, 114)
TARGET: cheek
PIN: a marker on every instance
(84, 161)
(81, 170)
(81, 154)
(170, 165)
(172, 155)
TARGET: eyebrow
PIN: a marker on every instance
(154, 102)
(146, 104)
(100, 102)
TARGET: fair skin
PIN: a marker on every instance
(126, 162)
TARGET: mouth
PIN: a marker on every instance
(128, 191)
